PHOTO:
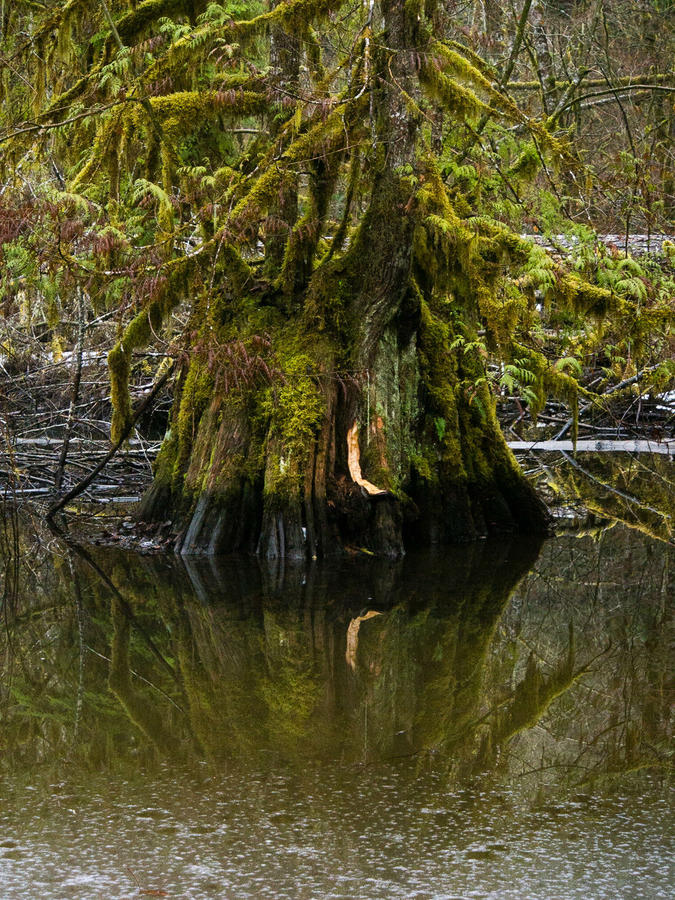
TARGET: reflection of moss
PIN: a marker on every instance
(535, 693)
(257, 662)
(290, 693)
(638, 491)
(455, 692)
(141, 712)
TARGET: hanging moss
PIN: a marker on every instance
(457, 99)
(294, 15)
(526, 165)
(302, 243)
(138, 333)
(326, 136)
(585, 298)
(131, 25)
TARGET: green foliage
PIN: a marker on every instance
(569, 364)
(625, 277)
(232, 171)
(112, 76)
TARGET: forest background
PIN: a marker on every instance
(335, 236)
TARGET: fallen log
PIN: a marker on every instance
(595, 446)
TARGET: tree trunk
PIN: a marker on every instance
(544, 59)
(285, 66)
(271, 468)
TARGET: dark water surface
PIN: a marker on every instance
(490, 721)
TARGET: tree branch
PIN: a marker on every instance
(85, 482)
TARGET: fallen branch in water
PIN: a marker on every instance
(85, 482)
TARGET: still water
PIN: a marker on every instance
(485, 722)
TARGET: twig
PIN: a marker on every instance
(75, 394)
(617, 387)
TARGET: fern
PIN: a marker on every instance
(112, 75)
(569, 364)
(69, 198)
(477, 346)
(531, 398)
(634, 288)
(174, 31)
(143, 188)
(517, 375)
(192, 171)
(624, 276)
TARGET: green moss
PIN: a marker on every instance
(326, 137)
(303, 241)
(295, 412)
(439, 377)
(457, 99)
(179, 111)
(195, 396)
(526, 165)
(295, 15)
(131, 25)
(585, 298)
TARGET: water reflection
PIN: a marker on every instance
(636, 490)
(479, 660)
(492, 721)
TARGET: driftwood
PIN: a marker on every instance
(47, 443)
